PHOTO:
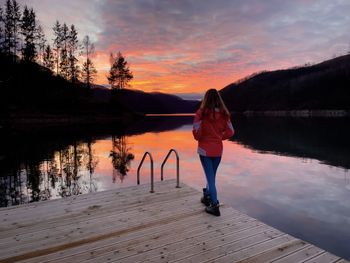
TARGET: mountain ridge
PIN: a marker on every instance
(323, 86)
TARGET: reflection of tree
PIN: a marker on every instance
(33, 180)
(91, 164)
(121, 157)
(11, 189)
(72, 162)
(64, 172)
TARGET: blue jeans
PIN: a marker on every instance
(210, 165)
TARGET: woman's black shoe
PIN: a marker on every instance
(213, 209)
(206, 197)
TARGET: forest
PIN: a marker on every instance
(40, 77)
(323, 86)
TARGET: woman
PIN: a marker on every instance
(211, 125)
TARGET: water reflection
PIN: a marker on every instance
(290, 173)
(326, 140)
(39, 167)
(64, 172)
(121, 157)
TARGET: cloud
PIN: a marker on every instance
(191, 45)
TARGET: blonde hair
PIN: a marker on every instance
(212, 100)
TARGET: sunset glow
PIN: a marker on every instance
(189, 46)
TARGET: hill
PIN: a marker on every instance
(324, 86)
(31, 88)
(139, 101)
(29, 91)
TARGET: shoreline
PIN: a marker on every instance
(297, 113)
(35, 121)
(32, 120)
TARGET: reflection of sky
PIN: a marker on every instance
(301, 184)
(296, 191)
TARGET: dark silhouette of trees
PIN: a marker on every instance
(48, 58)
(28, 30)
(89, 71)
(2, 30)
(66, 51)
(73, 52)
(40, 43)
(64, 59)
(20, 32)
(12, 19)
(27, 61)
(323, 86)
(57, 44)
(119, 74)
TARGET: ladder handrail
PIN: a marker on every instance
(177, 167)
(152, 175)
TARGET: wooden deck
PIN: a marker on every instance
(132, 225)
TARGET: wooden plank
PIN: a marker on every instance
(39, 251)
(196, 222)
(98, 210)
(132, 225)
(301, 255)
(208, 245)
(183, 239)
(72, 206)
(83, 229)
(242, 249)
(127, 247)
(277, 252)
(28, 248)
(325, 257)
(144, 188)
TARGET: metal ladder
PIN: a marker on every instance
(161, 169)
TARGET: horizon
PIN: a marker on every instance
(185, 48)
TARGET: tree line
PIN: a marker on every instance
(22, 38)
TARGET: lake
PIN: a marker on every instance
(291, 173)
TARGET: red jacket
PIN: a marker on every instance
(209, 131)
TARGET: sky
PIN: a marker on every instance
(187, 46)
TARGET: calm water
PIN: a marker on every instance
(289, 173)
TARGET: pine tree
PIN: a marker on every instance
(64, 59)
(8, 32)
(89, 71)
(48, 58)
(11, 20)
(28, 30)
(119, 74)
(2, 30)
(40, 42)
(57, 42)
(15, 20)
(73, 48)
